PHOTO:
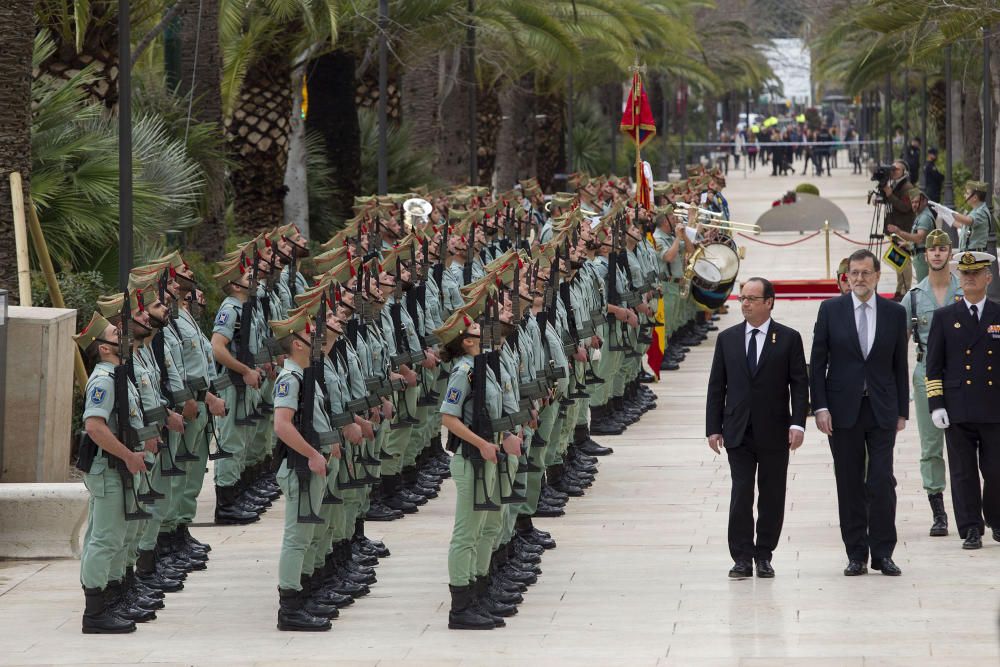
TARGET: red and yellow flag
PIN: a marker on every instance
(637, 118)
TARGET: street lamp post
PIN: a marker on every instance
(383, 94)
(948, 194)
(470, 45)
(124, 144)
(923, 126)
(988, 140)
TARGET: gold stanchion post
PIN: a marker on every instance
(826, 235)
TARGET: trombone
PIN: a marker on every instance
(715, 220)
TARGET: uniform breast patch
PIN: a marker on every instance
(453, 395)
(282, 389)
(97, 395)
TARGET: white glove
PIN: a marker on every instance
(595, 355)
(940, 418)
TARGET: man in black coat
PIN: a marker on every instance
(757, 401)
(963, 395)
(933, 179)
(861, 398)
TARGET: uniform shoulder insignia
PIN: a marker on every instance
(282, 389)
(97, 395)
(223, 317)
(454, 395)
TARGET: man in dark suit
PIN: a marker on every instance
(963, 392)
(758, 371)
(861, 399)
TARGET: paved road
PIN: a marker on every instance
(639, 577)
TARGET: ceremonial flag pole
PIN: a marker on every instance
(637, 123)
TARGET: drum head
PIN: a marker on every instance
(707, 271)
(724, 258)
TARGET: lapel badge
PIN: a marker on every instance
(958, 325)
(773, 336)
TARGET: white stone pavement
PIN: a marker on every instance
(638, 578)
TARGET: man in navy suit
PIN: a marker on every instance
(758, 395)
(861, 399)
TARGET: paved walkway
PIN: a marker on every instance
(639, 577)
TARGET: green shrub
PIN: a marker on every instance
(808, 188)
(79, 290)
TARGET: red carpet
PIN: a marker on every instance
(820, 288)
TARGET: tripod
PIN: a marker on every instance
(876, 231)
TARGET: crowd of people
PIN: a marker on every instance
(518, 321)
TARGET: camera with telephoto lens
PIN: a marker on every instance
(882, 174)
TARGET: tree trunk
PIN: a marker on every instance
(332, 113)
(419, 104)
(972, 131)
(453, 141)
(201, 77)
(995, 89)
(487, 129)
(957, 145)
(549, 145)
(17, 30)
(513, 134)
(296, 204)
(257, 134)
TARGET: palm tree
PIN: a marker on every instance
(263, 41)
(16, 29)
(74, 152)
(200, 83)
(888, 35)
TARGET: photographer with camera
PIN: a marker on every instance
(895, 186)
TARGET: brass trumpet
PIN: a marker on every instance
(715, 222)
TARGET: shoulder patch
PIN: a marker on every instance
(97, 395)
(454, 395)
(222, 318)
(281, 390)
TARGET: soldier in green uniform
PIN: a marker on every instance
(233, 435)
(975, 229)
(303, 479)
(101, 459)
(940, 288)
(670, 238)
(474, 456)
(922, 226)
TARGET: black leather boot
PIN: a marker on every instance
(119, 603)
(586, 444)
(292, 616)
(602, 422)
(313, 604)
(381, 551)
(940, 525)
(99, 618)
(227, 512)
(147, 573)
(463, 615)
(391, 497)
(190, 539)
(489, 604)
(134, 593)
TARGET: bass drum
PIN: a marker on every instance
(715, 269)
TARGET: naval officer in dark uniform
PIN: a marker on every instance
(963, 391)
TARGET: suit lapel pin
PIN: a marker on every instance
(958, 325)
(773, 336)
